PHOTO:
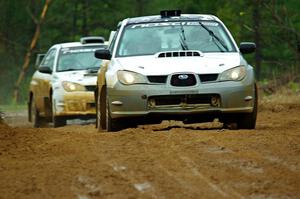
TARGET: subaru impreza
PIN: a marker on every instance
(175, 66)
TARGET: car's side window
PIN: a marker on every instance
(49, 59)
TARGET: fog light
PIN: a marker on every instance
(215, 101)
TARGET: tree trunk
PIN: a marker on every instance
(257, 36)
(29, 51)
(140, 7)
(85, 7)
(75, 14)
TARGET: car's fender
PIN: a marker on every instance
(101, 81)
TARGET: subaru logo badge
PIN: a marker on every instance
(183, 77)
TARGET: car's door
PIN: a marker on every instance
(43, 80)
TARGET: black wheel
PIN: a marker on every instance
(101, 111)
(35, 118)
(230, 125)
(59, 121)
(111, 124)
(248, 120)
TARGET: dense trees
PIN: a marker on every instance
(273, 24)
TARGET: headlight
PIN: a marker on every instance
(70, 86)
(127, 77)
(234, 74)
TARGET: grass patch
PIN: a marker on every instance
(13, 107)
(284, 98)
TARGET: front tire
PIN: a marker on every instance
(35, 118)
(58, 121)
(248, 120)
(101, 110)
(111, 124)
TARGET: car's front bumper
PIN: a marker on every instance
(75, 104)
(135, 100)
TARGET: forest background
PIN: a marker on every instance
(272, 24)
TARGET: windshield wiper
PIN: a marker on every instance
(183, 44)
(93, 69)
(68, 69)
(211, 33)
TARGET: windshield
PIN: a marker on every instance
(78, 58)
(150, 38)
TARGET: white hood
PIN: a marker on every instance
(207, 64)
(81, 77)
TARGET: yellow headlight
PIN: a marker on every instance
(234, 74)
(71, 87)
(128, 77)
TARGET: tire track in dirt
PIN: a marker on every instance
(188, 186)
(191, 166)
(141, 185)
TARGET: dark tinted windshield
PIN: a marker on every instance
(150, 38)
(78, 58)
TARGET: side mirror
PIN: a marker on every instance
(103, 54)
(247, 47)
(39, 59)
(45, 69)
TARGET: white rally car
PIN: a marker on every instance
(173, 66)
(63, 86)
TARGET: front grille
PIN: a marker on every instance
(167, 99)
(208, 77)
(157, 79)
(198, 99)
(179, 99)
(183, 80)
(91, 105)
(90, 88)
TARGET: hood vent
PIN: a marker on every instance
(180, 54)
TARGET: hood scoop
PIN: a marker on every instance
(187, 53)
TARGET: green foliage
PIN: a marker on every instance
(68, 20)
(294, 86)
(13, 107)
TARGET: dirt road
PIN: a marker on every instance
(170, 160)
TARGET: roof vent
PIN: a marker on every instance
(170, 13)
(90, 40)
(180, 54)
